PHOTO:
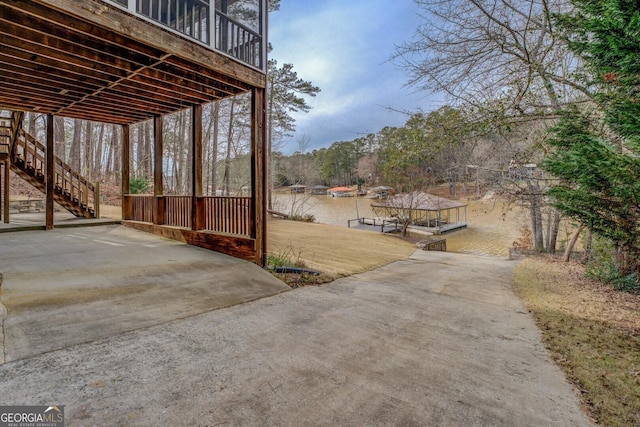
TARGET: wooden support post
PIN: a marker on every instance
(197, 203)
(96, 199)
(158, 206)
(258, 173)
(7, 190)
(49, 156)
(126, 172)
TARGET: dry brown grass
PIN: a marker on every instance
(593, 333)
(335, 251)
(109, 211)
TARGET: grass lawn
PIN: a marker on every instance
(593, 333)
(335, 251)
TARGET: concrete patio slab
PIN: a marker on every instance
(70, 286)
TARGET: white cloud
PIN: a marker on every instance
(342, 48)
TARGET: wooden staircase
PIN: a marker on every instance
(71, 190)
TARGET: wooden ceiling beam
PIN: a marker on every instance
(40, 53)
(107, 16)
(52, 106)
(52, 85)
(238, 86)
(83, 29)
(62, 57)
(37, 90)
(41, 64)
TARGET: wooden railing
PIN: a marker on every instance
(177, 211)
(16, 124)
(228, 215)
(141, 207)
(190, 17)
(193, 18)
(238, 40)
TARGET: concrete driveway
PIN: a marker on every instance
(439, 339)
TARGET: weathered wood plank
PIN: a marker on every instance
(125, 171)
(110, 17)
(7, 188)
(197, 211)
(50, 172)
(158, 151)
(259, 174)
(235, 246)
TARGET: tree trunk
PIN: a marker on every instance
(58, 137)
(588, 255)
(536, 223)
(146, 156)
(74, 152)
(215, 118)
(87, 160)
(572, 244)
(111, 147)
(117, 155)
(97, 160)
(227, 159)
(554, 229)
(31, 128)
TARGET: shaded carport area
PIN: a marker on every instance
(76, 285)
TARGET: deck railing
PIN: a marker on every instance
(177, 211)
(189, 17)
(230, 215)
(227, 215)
(238, 40)
(141, 207)
(193, 18)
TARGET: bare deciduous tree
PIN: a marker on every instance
(503, 61)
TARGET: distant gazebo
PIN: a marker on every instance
(433, 213)
(318, 190)
(297, 188)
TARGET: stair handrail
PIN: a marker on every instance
(63, 172)
(16, 124)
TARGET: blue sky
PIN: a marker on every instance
(343, 47)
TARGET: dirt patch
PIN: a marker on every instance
(18, 302)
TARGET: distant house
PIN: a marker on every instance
(341, 192)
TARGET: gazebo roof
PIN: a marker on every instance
(418, 201)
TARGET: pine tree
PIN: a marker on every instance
(597, 155)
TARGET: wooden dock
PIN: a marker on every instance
(381, 225)
(442, 228)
